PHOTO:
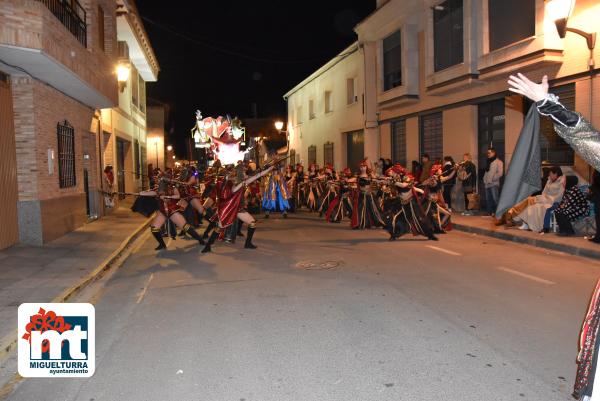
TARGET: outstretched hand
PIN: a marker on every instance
(522, 85)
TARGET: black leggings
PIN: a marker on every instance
(448, 195)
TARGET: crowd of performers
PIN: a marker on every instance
(228, 197)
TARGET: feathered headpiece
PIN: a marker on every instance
(434, 169)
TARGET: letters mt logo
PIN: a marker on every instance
(56, 340)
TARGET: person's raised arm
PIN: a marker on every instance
(252, 179)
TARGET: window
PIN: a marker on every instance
(101, 39)
(292, 159)
(299, 117)
(311, 109)
(328, 102)
(312, 155)
(432, 137)
(66, 154)
(399, 142)
(134, 87)
(554, 149)
(350, 91)
(328, 153)
(448, 34)
(392, 61)
(507, 26)
(142, 93)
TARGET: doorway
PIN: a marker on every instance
(121, 151)
(355, 149)
(491, 119)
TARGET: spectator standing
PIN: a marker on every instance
(467, 175)
(491, 179)
(448, 179)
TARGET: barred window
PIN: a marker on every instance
(292, 159)
(328, 153)
(66, 154)
(312, 155)
(431, 138)
(399, 142)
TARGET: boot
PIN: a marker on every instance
(211, 240)
(193, 233)
(161, 243)
(249, 244)
(182, 234)
(208, 230)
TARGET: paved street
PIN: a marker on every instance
(321, 312)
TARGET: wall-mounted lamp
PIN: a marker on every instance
(169, 148)
(560, 11)
(279, 125)
(123, 71)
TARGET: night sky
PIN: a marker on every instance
(220, 56)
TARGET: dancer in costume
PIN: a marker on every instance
(327, 180)
(341, 206)
(190, 189)
(365, 209)
(404, 213)
(435, 207)
(276, 195)
(290, 180)
(298, 191)
(230, 207)
(168, 209)
(312, 188)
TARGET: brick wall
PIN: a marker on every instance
(29, 24)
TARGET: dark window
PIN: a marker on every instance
(392, 61)
(510, 21)
(101, 40)
(399, 142)
(312, 155)
(554, 149)
(432, 137)
(328, 153)
(66, 154)
(448, 34)
(292, 159)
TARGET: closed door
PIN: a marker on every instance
(121, 149)
(355, 149)
(491, 134)
(9, 229)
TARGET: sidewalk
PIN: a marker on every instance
(50, 272)
(485, 226)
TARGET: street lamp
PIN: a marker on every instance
(169, 148)
(560, 11)
(123, 71)
(279, 125)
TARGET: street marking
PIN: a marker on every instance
(525, 275)
(435, 248)
(143, 292)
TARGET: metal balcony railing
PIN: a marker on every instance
(71, 15)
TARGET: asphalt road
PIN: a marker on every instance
(322, 312)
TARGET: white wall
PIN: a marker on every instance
(328, 127)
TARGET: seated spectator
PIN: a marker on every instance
(573, 206)
(533, 209)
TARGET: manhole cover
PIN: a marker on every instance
(326, 265)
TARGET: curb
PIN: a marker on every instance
(538, 243)
(8, 343)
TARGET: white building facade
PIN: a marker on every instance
(328, 114)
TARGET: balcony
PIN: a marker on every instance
(71, 15)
